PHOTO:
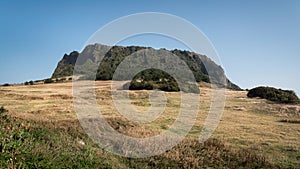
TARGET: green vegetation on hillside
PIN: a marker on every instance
(117, 54)
(65, 67)
(197, 63)
(273, 94)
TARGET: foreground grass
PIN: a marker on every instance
(267, 130)
(29, 144)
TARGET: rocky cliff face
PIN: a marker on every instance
(65, 67)
(198, 64)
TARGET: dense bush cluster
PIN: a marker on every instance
(151, 79)
(154, 79)
(56, 80)
(151, 85)
(29, 83)
(6, 84)
(273, 94)
(48, 81)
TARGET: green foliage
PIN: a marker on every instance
(48, 81)
(15, 140)
(196, 64)
(168, 85)
(151, 79)
(25, 144)
(273, 94)
(143, 85)
(56, 80)
(29, 83)
(2, 110)
(60, 79)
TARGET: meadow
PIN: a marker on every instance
(252, 133)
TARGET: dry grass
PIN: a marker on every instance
(246, 123)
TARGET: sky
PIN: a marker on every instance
(258, 42)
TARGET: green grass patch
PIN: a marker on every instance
(63, 144)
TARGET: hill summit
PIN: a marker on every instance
(197, 63)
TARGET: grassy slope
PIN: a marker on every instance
(249, 130)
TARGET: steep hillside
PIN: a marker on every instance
(65, 67)
(197, 63)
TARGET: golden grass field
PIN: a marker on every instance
(246, 123)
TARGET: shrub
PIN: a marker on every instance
(60, 79)
(135, 85)
(273, 94)
(6, 84)
(168, 86)
(151, 79)
(48, 80)
(295, 121)
(171, 86)
(2, 110)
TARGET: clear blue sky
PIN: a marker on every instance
(258, 42)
